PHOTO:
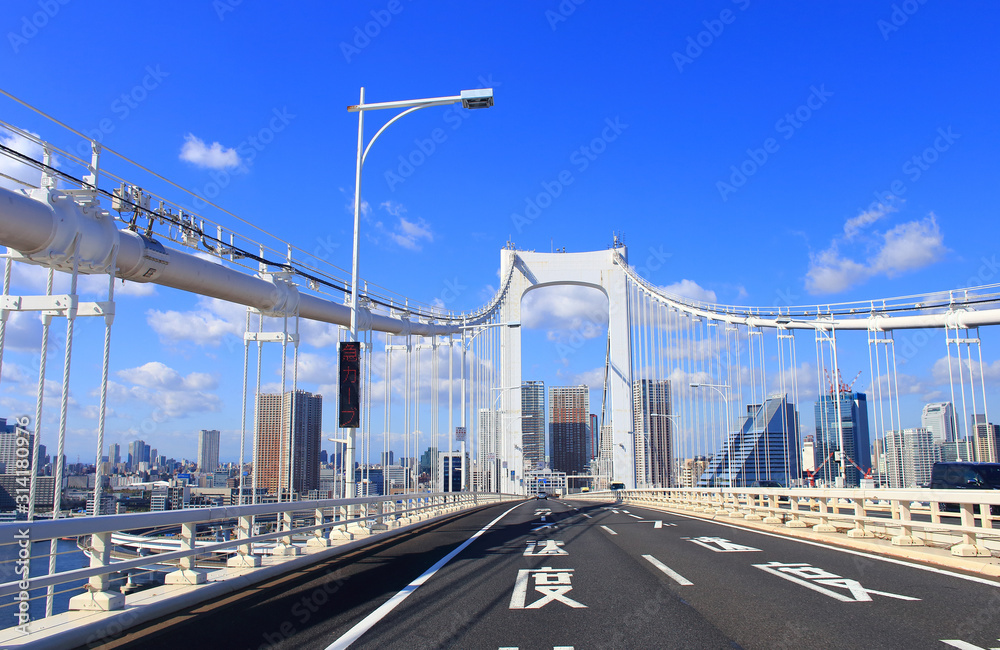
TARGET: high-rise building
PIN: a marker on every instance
(842, 416)
(387, 458)
(533, 423)
(8, 451)
(651, 424)
(987, 437)
(909, 456)
(569, 412)
(138, 452)
(489, 450)
(764, 448)
(692, 470)
(605, 460)
(293, 421)
(208, 450)
(939, 419)
(115, 455)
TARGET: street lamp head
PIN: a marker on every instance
(695, 385)
(480, 98)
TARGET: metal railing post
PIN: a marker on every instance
(186, 573)
(97, 597)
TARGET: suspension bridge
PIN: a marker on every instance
(700, 413)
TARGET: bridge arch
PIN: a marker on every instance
(529, 271)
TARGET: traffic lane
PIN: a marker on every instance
(291, 610)
(577, 589)
(949, 607)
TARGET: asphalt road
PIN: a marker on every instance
(593, 576)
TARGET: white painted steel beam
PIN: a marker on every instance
(44, 227)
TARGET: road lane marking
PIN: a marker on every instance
(964, 645)
(609, 530)
(870, 556)
(553, 584)
(548, 547)
(678, 578)
(586, 515)
(801, 573)
(636, 516)
(721, 545)
(369, 621)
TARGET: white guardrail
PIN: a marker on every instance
(962, 520)
(212, 544)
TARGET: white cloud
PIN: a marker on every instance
(855, 225)
(906, 247)
(831, 273)
(990, 372)
(910, 246)
(19, 170)
(410, 234)
(171, 393)
(566, 311)
(154, 374)
(691, 290)
(214, 156)
(207, 325)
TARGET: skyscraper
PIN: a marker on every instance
(909, 456)
(844, 416)
(939, 419)
(115, 454)
(569, 412)
(765, 448)
(651, 424)
(294, 422)
(533, 423)
(208, 450)
(489, 447)
(987, 437)
(138, 452)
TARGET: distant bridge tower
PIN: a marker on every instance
(599, 269)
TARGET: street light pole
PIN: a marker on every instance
(718, 388)
(472, 99)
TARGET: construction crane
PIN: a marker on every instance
(841, 386)
(811, 474)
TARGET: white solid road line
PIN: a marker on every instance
(609, 530)
(369, 621)
(678, 578)
(636, 516)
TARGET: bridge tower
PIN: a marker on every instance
(528, 271)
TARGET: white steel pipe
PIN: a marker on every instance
(41, 227)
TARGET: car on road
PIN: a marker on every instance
(966, 476)
(617, 486)
(542, 495)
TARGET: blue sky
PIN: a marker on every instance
(750, 153)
